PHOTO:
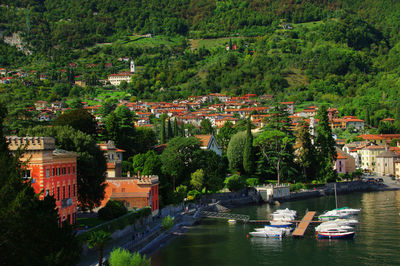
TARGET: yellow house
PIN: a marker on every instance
(368, 155)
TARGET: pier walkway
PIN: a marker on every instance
(227, 216)
(302, 227)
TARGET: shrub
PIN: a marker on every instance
(357, 173)
(122, 257)
(341, 176)
(235, 183)
(252, 182)
(168, 222)
(297, 186)
(193, 195)
(112, 210)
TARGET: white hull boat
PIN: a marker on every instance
(286, 211)
(267, 233)
(282, 217)
(275, 223)
(330, 227)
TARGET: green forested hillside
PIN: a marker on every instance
(345, 53)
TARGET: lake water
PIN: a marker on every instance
(215, 242)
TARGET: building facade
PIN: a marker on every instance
(51, 171)
(116, 79)
(134, 192)
(368, 155)
(385, 163)
(114, 158)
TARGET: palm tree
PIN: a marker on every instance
(98, 239)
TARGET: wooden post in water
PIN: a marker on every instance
(335, 196)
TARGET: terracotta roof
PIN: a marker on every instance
(375, 147)
(340, 157)
(204, 139)
(370, 136)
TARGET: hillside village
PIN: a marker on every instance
(219, 109)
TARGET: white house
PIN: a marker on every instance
(209, 142)
(116, 79)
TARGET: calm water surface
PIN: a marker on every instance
(215, 242)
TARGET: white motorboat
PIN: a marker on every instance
(278, 223)
(348, 211)
(335, 233)
(332, 215)
(269, 228)
(268, 232)
(338, 213)
(286, 211)
(328, 227)
(349, 222)
(282, 217)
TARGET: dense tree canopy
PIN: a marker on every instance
(29, 231)
(177, 159)
(79, 119)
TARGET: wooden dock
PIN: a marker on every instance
(302, 227)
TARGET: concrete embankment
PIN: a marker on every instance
(341, 188)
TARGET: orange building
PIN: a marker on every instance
(51, 171)
(134, 192)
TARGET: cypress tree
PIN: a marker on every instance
(306, 155)
(367, 118)
(170, 133)
(176, 128)
(163, 137)
(325, 145)
(183, 130)
(248, 153)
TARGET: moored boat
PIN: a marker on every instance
(332, 226)
(335, 233)
(332, 215)
(278, 223)
(348, 211)
(266, 234)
